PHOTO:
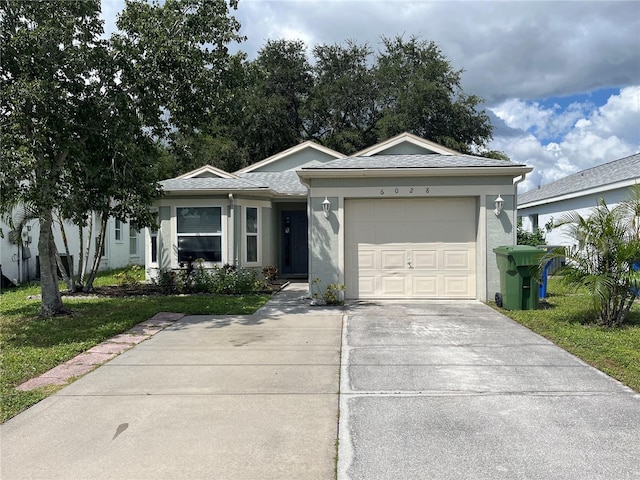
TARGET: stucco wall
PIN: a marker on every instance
(550, 212)
(501, 231)
(324, 252)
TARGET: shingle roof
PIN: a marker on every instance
(413, 161)
(211, 183)
(627, 168)
(287, 183)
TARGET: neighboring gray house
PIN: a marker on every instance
(579, 192)
(406, 218)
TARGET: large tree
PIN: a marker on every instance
(79, 114)
(349, 97)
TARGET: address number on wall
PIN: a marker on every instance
(404, 191)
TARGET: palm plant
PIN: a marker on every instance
(607, 257)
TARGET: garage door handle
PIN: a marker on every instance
(409, 263)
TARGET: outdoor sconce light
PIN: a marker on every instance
(499, 204)
(326, 207)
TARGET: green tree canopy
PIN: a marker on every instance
(81, 115)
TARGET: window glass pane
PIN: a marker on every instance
(154, 248)
(207, 248)
(252, 220)
(252, 248)
(199, 220)
(118, 230)
(133, 246)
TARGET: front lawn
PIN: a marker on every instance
(566, 319)
(29, 346)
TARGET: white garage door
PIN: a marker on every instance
(410, 248)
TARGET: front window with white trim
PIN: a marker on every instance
(251, 233)
(199, 233)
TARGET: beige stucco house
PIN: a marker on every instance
(406, 218)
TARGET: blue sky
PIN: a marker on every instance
(561, 79)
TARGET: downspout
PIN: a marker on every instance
(231, 232)
(515, 186)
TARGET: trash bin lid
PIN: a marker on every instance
(521, 255)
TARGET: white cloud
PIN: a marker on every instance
(599, 135)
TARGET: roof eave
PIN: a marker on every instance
(512, 171)
(581, 193)
(216, 191)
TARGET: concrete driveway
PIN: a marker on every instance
(454, 390)
(209, 397)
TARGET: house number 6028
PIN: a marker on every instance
(411, 191)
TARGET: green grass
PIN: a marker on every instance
(29, 346)
(566, 318)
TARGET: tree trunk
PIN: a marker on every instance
(97, 254)
(68, 278)
(51, 298)
(84, 256)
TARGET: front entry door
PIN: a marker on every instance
(295, 246)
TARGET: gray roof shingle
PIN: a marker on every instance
(287, 183)
(620, 170)
(414, 161)
(211, 183)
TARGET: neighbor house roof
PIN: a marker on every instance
(615, 174)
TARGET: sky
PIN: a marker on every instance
(561, 80)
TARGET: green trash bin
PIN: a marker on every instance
(519, 289)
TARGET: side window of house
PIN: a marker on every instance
(533, 219)
(154, 246)
(133, 241)
(251, 216)
(199, 233)
(118, 230)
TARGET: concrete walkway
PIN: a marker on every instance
(209, 397)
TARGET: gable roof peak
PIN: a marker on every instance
(208, 171)
(290, 151)
(405, 137)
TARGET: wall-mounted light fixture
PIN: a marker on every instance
(499, 204)
(326, 207)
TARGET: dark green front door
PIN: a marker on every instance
(295, 245)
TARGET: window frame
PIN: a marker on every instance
(246, 234)
(117, 231)
(220, 234)
(134, 234)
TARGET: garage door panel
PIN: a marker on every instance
(453, 285)
(456, 259)
(393, 286)
(392, 259)
(424, 259)
(367, 259)
(411, 248)
(367, 286)
(425, 286)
